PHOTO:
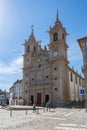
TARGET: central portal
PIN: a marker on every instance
(38, 98)
(32, 99)
(46, 98)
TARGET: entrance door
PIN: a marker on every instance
(38, 98)
(46, 98)
(32, 99)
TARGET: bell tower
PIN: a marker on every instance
(58, 57)
(31, 48)
(58, 35)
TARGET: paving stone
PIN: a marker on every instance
(60, 119)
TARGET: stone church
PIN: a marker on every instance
(46, 71)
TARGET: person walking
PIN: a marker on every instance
(47, 104)
(34, 108)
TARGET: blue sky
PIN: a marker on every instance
(16, 19)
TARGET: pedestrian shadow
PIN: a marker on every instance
(52, 111)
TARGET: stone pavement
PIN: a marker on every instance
(58, 119)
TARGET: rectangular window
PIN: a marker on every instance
(71, 77)
(79, 82)
(86, 47)
(47, 77)
(76, 79)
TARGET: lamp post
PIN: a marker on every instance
(83, 45)
(5, 97)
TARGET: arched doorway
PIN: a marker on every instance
(32, 99)
(46, 98)
(39, 99)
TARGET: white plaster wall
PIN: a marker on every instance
(75, 88)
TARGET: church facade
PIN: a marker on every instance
(46, 73)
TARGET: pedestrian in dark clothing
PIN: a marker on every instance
(47, 104)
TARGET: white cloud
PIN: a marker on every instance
(13, 68)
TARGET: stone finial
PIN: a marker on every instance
(57, 15)
(45, 48)
(57, 18)
(39, 42)
(32, 29)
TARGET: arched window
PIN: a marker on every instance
(55, 37)
(63, 36)
(34, 48)
(28, 49)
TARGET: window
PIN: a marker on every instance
(39, 66)
(76, 79)
(63, 37)
(25, 91)
(71, 77)
(34, 48)
(79, 82)
(55, 38)
(26, 83)
(55, 89)
(28, 49)
(86, 47)
(55, 68)
(26, 75)
(55, 78)
(47, 76)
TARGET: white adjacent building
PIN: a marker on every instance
(16, 93)
(83, 45)
(76, 83)
(4, 97)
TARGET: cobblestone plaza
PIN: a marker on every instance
(58, 119)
